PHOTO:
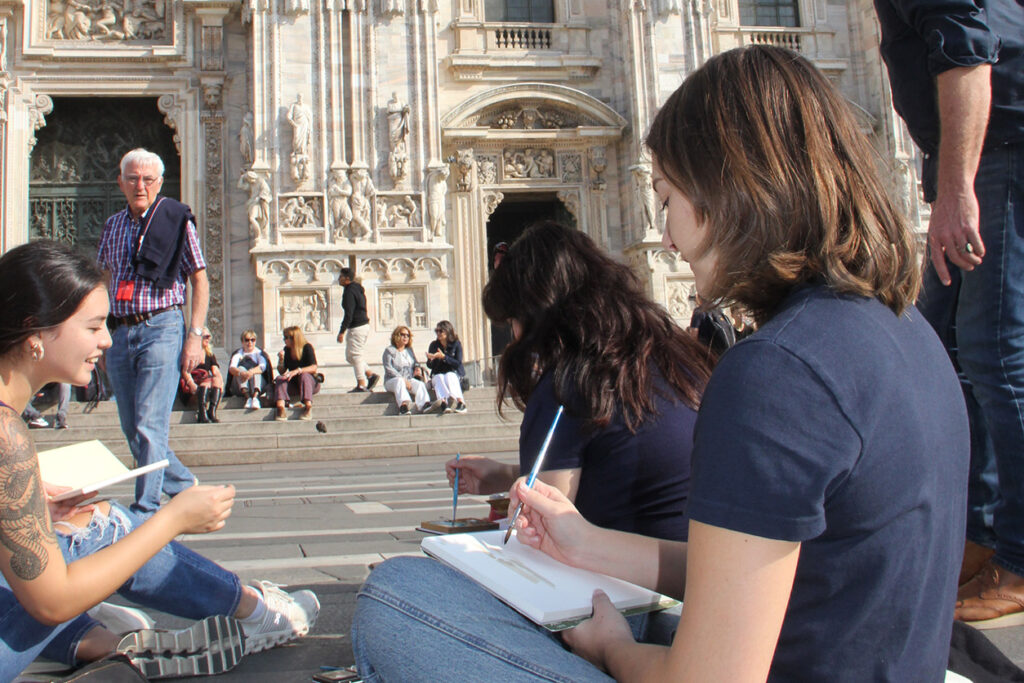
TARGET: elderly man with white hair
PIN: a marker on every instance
(151, 252)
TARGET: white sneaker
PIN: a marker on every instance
(121, 619)
(256, 405)
(249, 404)
(288, 616)
(38, 423)
(206, 648)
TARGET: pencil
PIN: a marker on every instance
(536, 469)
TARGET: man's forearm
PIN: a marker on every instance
(200, 298)
(965, 97)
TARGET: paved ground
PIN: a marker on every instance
(319, 525)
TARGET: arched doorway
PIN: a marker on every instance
(516, 212)
(73, 184)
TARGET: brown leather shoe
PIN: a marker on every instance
(994, 598)
(975, 557)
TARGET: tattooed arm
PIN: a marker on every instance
(30, 558)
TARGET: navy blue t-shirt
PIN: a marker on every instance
(842, 426)
(630, 482)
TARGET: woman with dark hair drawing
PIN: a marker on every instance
(59, 559)
(830, 458)
(584, 335)
(444, 358)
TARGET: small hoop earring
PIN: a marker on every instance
(38, 352)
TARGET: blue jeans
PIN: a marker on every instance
(144, 367)
(938, 305)
(176, 580)
(64, 398)
(990, 338)
(417, 619)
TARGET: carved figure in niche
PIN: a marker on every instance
(598, 165)
(437, 188)
(257, 207)
(247, 138)
(572, 166)
(296, 213)
(300, 168)
(648, 199)
(398, 133)
(488, 171)
(363, 193)
(316, 312)
(466, 163)
(339, 190)
(301, 118)
(398, 215)
(545, 165)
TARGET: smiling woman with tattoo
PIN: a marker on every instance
(59, 559)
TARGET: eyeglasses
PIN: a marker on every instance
(404, 334)
(287, 338)
(438, 330)
(249, 339)
(147, 180)
(207, 336)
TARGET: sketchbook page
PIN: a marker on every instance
(79, 464)
(543, 589)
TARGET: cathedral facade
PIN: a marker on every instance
(402, 138)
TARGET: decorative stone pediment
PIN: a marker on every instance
(532, 110)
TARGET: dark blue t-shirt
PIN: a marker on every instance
(842, 426)
(630, 482)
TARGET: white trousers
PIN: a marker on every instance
(447, 384)
(355, 339)
(396, 385)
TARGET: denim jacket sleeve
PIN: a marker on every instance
(956, 32)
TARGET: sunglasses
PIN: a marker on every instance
(404, 334)
(249, 339)
(207, 336)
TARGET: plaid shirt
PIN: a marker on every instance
(117, 245)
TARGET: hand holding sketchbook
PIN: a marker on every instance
(539, 587)
(87, 467)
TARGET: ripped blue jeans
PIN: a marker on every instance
(176, 580)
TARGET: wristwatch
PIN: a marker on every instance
(198, 331)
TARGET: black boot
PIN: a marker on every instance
(214, 400)
(201, 404)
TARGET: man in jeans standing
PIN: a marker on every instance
(150, 250)
(957, 74)
(357, 324)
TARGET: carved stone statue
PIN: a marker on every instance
(296, 6)
(398, 134)
(648, 199)
(437, 188)
(247, 139)
(105, 19)
(258, 205)
(466, 165)
(339, 190)
(363, 193)
(598, 165)
(297, 213)
(392, 8)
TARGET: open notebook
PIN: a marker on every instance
(546, 591)
(86, 467)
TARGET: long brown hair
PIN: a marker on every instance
(770, 156)
(587, 319)
(298, 340)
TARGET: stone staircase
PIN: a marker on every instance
(358, 426)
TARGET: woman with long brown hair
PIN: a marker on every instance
(830, 457)
(585, 336)
(296, 365)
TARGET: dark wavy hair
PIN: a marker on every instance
(41, 285)
(449, 332)
(771, 158)
(587, 319)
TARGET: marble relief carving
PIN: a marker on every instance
(487, 166)
(598, 165)
(648, 198)
(528, 163)
(571, 199)
(677, 295)
(398, 212)
(301, 212)
(401, 306)
(465, 165)
(247, 138)
(529, 118)
(491, 201)
(305, 308)
(109, 20)
(571, 166)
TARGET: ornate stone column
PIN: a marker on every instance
(468, 236)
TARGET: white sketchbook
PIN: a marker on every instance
(87, 467)
(546, 591)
